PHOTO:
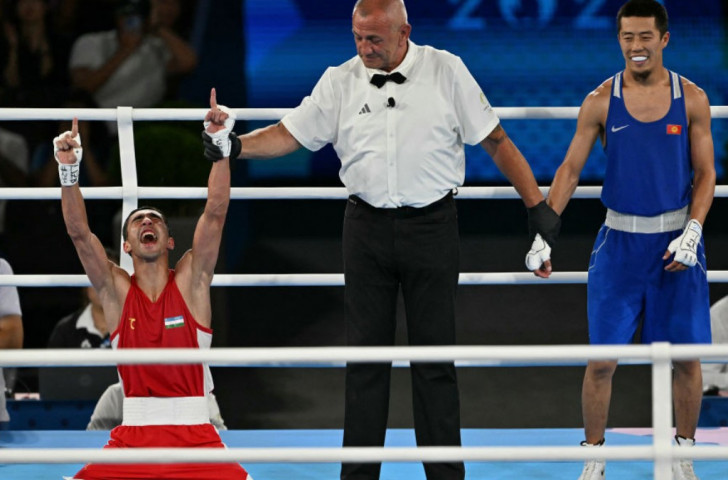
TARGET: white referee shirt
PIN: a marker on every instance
(410, 154)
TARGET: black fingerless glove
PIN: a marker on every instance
(544, 220)
(213, 152)
(236, 146)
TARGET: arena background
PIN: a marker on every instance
(270, 53)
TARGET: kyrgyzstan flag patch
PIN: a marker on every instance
(674, 129)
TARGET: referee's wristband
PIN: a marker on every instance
(544, 220)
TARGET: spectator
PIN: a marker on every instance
(34, 61)
(165, 20)
(11, 328)
(130, 65)
(86, 327)
(34, 57)
(77, 17)
(165, 13)
(14, 165)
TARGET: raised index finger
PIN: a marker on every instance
(213, 99)
(74, 127)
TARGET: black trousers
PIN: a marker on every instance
(416, 249)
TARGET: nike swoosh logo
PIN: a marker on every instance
(616, 129)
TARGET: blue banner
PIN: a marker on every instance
(521, 52)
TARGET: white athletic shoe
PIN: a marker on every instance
(593, 469)
(683, 469)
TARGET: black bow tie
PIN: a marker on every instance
(379, 80)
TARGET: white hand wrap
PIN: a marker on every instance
(685, 247)
(68, 172)
(539, 253)
(221, 137)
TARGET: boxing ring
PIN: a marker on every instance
(283, 454)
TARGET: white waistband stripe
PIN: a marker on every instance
(666, 222)
(139, 411)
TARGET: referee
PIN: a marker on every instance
(398, 115)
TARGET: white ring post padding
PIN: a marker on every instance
(130, 196)
(347, 454)
(662, 410)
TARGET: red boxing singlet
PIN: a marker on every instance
(164, 405)
(166, 323)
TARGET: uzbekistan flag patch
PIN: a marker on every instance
(174, 322)
(674, 129)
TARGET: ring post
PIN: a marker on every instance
(662, 409)
(130, 195)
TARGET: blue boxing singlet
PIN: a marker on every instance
(648, 163)
(648, 174)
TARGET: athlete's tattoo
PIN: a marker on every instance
(492, 141)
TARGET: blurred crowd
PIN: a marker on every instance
(83, 53)
(77, 54)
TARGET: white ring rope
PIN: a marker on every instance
(311, 356)
(274, 193)
(324, 279)
(352, 454)
(190, 114)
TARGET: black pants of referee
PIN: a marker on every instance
(416, 249)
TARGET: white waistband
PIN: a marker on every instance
(140, 411)
(666, 222)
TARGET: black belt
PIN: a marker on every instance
(403, 211)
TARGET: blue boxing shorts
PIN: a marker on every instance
(628, 286)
